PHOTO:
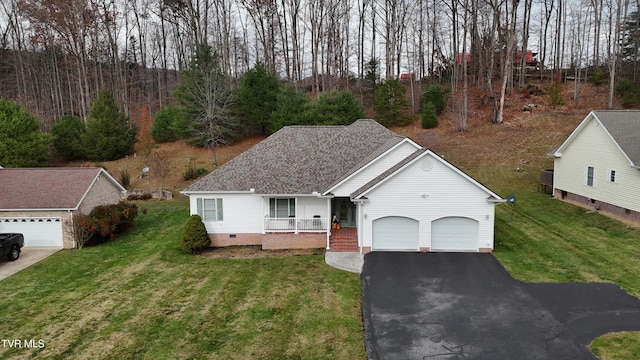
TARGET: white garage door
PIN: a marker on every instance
(455, 234)
(395, 233)
(36, 231)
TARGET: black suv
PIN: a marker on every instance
(10, 245)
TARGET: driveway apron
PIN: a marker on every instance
(466, 306)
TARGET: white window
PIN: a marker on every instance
(210, 209)
(282, 207)
(590, 172)
(612, 176)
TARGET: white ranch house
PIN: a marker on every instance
(386, 191)
(598, 165)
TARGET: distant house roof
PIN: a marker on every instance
(47, 188)
(623, 126)
(301, 159)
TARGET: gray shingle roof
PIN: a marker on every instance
(624, 127)
(301, 159)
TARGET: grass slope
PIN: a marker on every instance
(141, 297)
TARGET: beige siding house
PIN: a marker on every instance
(598, 165)
(40, 202)
(356, 188)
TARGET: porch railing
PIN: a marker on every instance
(295, 224)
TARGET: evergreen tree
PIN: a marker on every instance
(256, 99)
(337, 108)
(390, 103)
(21, 142)
(429, 116)
(434, 94)
(292, 108)
(68, 134)
(170, 124)
(108, 136)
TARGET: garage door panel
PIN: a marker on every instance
(36, 231)
(455, 234)
(395, 233)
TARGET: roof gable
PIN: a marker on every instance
(300, 159)
(409, 161)
(622, 127)
(48, 188)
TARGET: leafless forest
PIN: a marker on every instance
(55, 55)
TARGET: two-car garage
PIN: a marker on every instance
(398, 233)
(37, 231)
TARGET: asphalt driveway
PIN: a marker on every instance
(448, 306)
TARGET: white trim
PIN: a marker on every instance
(362, 168)
(593, 176)
(616, 174)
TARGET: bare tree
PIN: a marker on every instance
(159, 168)
(205, 95)
(508, 58)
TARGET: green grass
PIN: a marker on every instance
(552, 241)
(141, 297)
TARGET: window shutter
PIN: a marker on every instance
(219, 209)
(292, 207)
(199, 206)
(272, 207)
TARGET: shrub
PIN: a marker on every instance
(194, 236)
(144, 196)
(125, 178)
(108, 221)
(629, 92)
(429, 117)
(597, 78)
(555, 94)
(190, 172)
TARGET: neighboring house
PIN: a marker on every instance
(598, 165)
(41, 202)
(386, 191)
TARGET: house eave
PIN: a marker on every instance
(34, 210)
(209, 192)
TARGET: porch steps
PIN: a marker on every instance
(345, 239)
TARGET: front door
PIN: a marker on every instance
(345, 210)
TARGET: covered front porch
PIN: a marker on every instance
(300, 217)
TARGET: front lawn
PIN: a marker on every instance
(552, 241)
(140, 297)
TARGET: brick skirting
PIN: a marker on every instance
(616, 212)
(271, 241)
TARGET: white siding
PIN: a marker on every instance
(245, 213)
(308, 207)
(446, 193)
(242, 213)
(374, 169)
(593, 147)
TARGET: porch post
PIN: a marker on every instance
(328, 222)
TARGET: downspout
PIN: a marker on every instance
(328, 222)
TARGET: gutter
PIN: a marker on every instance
(497, 201)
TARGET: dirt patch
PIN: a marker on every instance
(252, 252)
